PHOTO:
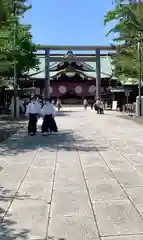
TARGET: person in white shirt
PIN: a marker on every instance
(85, 103)
(53, 102)
(58, 104)
(32, 111)
(100, 106)
(38, 105)
(48, 112)
(96, 106)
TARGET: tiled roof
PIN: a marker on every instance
(106, 68)
(86, 67)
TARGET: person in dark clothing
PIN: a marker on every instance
(48, 112)
(92, 104)
(101, 107)
(49, 124)
(32, 124)
(32, 112)
(120, 105)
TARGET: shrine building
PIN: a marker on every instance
(72, 81)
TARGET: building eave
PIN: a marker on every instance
(72, 56)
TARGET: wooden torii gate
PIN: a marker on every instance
(49, 57)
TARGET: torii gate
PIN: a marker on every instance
(79, 57)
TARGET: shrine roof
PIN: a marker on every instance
(85, 66)
(105, 62)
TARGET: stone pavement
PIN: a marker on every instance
(9, 126)
(86, 183)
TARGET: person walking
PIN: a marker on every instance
(92, 104)
(48, 113)
(53, 102)
(38, 104)
(85, 103)
(101, 107)
(32, 112)
(96, 106)
(58, 104)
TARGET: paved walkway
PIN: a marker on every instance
(9, 127)
(84, 184)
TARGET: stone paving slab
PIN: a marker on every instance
(120, 165)
(29, 215)
(74, 227)
(117, 217)
(36, 191)
(8, 127)
(136, 196)
(84, 183)
(136, 159)
(37, 174)
(105, 190)
(60, 207)
(129, 179)
(131, 237)
(4, 204)
(96, 172)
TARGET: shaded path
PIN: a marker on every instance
(84, 184)
(9, 127)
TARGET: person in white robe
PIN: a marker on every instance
(32, 111)
(48, 112)
(38, 105)
(39, 119)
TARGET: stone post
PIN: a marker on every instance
(98, 75)
(17, 107)
(47, 73)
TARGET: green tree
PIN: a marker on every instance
(128, 29)
(10, 27)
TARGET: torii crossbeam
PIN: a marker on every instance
(96, 58)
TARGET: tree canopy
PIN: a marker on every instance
(128, 32)
(15, 39)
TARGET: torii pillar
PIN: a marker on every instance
(47, 73)
(98, 75)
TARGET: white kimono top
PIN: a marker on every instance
(48, 109)
(32, 108)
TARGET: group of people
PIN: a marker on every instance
(35, 110)
(97, 105)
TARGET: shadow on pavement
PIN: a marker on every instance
(63, 113)
(8, 229)
(7, 225)
(64, 140)
(7, 128)
(7, 195)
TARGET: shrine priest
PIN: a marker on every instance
(33, 111)
(48, 113)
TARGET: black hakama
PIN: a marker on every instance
(49, 124)
(32, 123)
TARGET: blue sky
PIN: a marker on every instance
(69, 22)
